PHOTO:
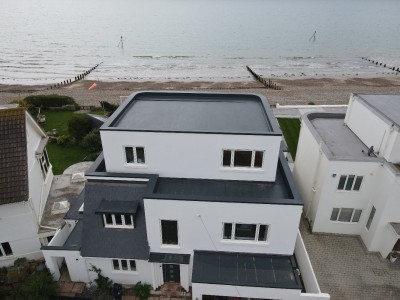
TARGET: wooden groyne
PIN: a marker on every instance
(381, 64)
(77, 78)
(267, 83)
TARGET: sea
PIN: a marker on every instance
(48, 41)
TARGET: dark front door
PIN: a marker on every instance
(171, 273)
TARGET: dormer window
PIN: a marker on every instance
(118, 214)
(242, 158)
(118, 220)
(134, 155)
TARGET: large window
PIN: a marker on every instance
(134, 155)
(350, 183)
(371, 217)
(5, 249)
(125, 265)
(169, 232)
(118, 220)
(349, 215)
(245, 232)
(242, 158)
(44, 162)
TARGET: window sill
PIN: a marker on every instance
(343, 222)
(118, 227)
(244, 242)
(242, 169)
(135, 166)
(167, 246)
(125, 272)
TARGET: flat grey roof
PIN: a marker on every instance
(278, 192)
(387, 105)
(194, 112)
(245, 269)
(339, 140)
(169, 258)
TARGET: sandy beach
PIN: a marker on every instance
(296, 91)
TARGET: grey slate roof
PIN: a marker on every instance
(13, 156)
(245, 269)
(195, 113)
(98, 241)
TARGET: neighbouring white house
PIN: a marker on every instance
(25, 179)
(191, 188)
(347, 170)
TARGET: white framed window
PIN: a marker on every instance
(350, 183)
(44, 162)
(371, 217)
(118, 221)
(242, 158)
(5, 249)
(347, 215)
(245, 232)
(134, 155)
(124, 265)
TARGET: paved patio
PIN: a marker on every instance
(345, 270)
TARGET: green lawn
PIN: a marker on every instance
(62, 156)
(291, 130)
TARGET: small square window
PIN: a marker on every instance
(242, 158)
(129, 155)
(345, 214)
(128, 220)
(115, 264)
(227, 231)
(349, 183)
(342, 182)
(140, 155)
(118, 219)
(124, 264)
(358, 182)
(226, 160)
(109, 219)
(258, 159)
(335, 214)
(245, 231)
(132, 265)
(356, 216)
(262, 233)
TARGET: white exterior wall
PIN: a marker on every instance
(308, 171)
(330, 197)
(39, 187)
(204, 232)
(19, 227)
(375, 132)
(380, 237)
(188, 155)
(143, 271)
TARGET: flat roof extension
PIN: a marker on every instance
(387, 105)
(338, 141)
(194, 113)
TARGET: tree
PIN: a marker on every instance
(92, 141)
(79, 126)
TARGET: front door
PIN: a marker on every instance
(171, 273)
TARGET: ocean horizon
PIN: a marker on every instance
(48, 41)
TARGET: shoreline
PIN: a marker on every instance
(294, 91)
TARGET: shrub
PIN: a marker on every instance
(46, 101)
(142, 290)
(79, 126)
(20, 261)
(104, 284)
(108, 107)
(62, 139)
(92, 141)
(38, 286)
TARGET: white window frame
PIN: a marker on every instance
(352, 186)
(253, 156)
(232, 239)
(3, 253)
(135, 158)
(128, 261)
(44, 162)
(352, 215)
(114, 223)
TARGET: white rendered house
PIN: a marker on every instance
(347, 170)
(25, 180)
(191, 188)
